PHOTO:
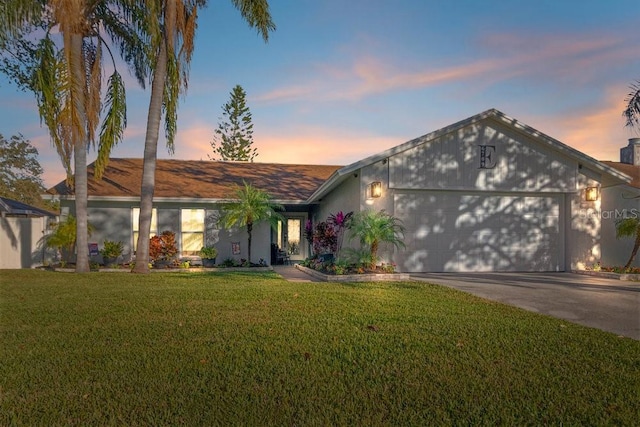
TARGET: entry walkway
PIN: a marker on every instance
(607, 304)
(292, 274)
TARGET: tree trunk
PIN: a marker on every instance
(374, 254)
(80, 145)
(150, 159)
(249, 230)
(636, 246)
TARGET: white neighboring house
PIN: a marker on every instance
(23, 229)
(488, 193)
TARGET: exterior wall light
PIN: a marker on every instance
(591, 194)
(376, 189)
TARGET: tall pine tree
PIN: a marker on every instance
(233, 140)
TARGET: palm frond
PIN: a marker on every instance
(48, 84)
(628, 227)
(93, 63)
(250, 205)
(15, 14)
(256, 14)
(115, 121)
(125, 31)
(632, 111)
(171, 98)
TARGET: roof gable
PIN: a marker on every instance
(632, 170)
(484, 155)
(512, 125)
(204, 179)
(12, 207)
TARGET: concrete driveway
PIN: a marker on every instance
(607, 304)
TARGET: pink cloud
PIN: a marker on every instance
(576, 57)
(289, 93)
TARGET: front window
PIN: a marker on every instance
(136, 225)
(192, 231)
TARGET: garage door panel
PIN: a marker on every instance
(480, 232)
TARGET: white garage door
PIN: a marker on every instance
(453, 231)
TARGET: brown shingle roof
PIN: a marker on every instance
(625, 168)
(205, 179)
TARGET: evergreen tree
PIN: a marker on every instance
(233, 140)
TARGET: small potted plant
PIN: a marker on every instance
(208, 255)
(111, 251)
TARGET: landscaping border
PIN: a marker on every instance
(373, 277)
(609, 275)
(174, 270)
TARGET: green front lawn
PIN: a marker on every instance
(252, 349)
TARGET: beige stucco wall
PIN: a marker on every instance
(21, 242)
(616, 202)
(345, 198)
(378, 171)
(260, 243)
(582, 237)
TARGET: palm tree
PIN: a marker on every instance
(629, 227)
(250, 207)
(171, 26)
(67, 84)
(632, 112)
(374, 228)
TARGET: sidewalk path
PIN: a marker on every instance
(291, 274)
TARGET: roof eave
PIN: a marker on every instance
(559, 146)
(183, 200)
(336, 178)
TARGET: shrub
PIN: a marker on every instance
(208, 252)
(373, 228)
(325, 239)
(163, 246)
(229, 262)
(111, 249)
(63, 237)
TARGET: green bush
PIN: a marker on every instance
(63, 237)
(208, 252)
(111, 249)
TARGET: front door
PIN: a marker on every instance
(290, 237)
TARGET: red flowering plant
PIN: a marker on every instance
(308, 232)
(325, 239)
(340, 222)
(163, 246)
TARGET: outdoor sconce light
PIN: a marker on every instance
(591, 194)
(376, 189)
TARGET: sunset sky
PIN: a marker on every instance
(341, 80)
